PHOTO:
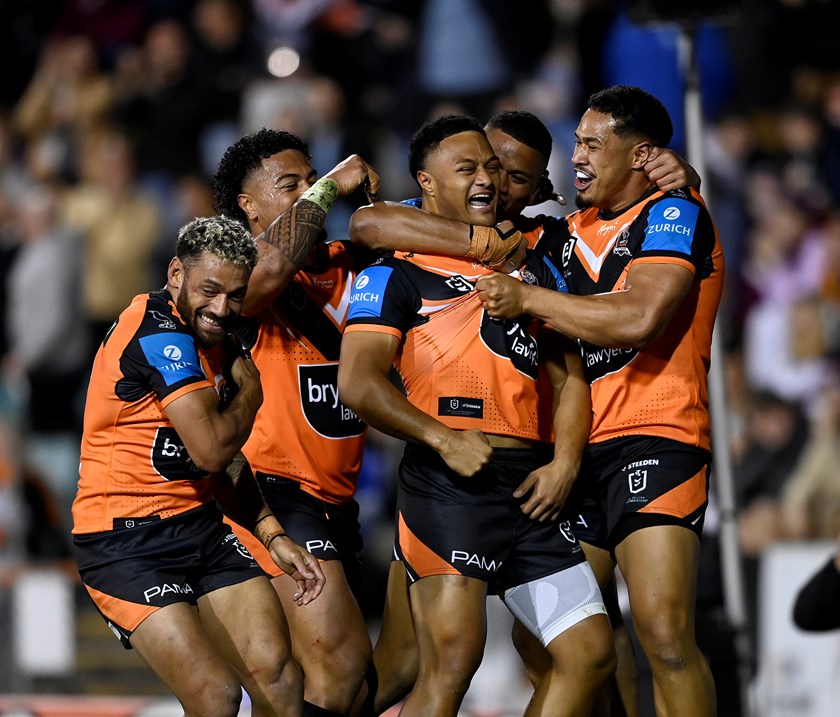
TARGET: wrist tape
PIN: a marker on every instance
(490, 246)
(323, 193)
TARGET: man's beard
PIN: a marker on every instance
(581, 202)
(190, 318)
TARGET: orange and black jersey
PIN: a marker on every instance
(302, 430)
(134, 467)
(662, 389)
(457, 364)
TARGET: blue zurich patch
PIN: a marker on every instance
(671, 226)
(173, 355)
(368, 292)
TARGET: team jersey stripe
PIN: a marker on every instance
(683, 500)
(422, 559)
(128, 615)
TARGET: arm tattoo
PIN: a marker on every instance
(296, 231)
(237, 466)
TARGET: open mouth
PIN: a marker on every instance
(582, 181)
(209, 324)
(481, 201)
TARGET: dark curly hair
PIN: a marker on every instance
(242, 158)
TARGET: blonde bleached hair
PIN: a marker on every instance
(221, 236)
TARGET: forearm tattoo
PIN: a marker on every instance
(237, 466)
(296, 231)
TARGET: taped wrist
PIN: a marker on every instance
(491, 246)
(323, 193)
(273, 536)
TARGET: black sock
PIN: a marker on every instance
(310, 710)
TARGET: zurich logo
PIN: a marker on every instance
(362, 282)
(671, 213)
(173, 353)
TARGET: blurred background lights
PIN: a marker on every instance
(283, 61)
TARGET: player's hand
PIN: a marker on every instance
(352, 173)
(301, 566)
(667, 170)
(496, 246)
(549, 486)
(517, 254)
(466, 452)
(246, 374)
(545, 192)
(501, 296)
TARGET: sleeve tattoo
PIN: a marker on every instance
(296, 231)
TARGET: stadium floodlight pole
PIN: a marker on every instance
(724, 481)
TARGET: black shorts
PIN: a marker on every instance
(450, 525)
(327, 530)
(134, 571)
(630, 483)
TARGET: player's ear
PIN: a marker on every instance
(246, 204)
(642, 152)
(175, 274)
(426, 182)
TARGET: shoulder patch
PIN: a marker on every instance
(671, 226)
(368, 292)
(173, 356)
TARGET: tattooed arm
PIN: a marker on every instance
(287, 242)
(283, 249)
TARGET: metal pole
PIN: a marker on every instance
(724, 481)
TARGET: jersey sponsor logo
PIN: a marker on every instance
(599, 361)
(174, 356)
(368, 290)
(669, 228)
(480, 561)
(160, 591)
(459, 406)
(642, 464)
(321, 404)
(511, 340)
(320, 545)
(170, 458)
(164, 321)
(671, 225)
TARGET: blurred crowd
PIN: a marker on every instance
(114, 114)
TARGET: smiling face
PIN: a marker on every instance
(461, 179)
(609, 170)
(208, 294)
(274, 187)
(522, 168)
